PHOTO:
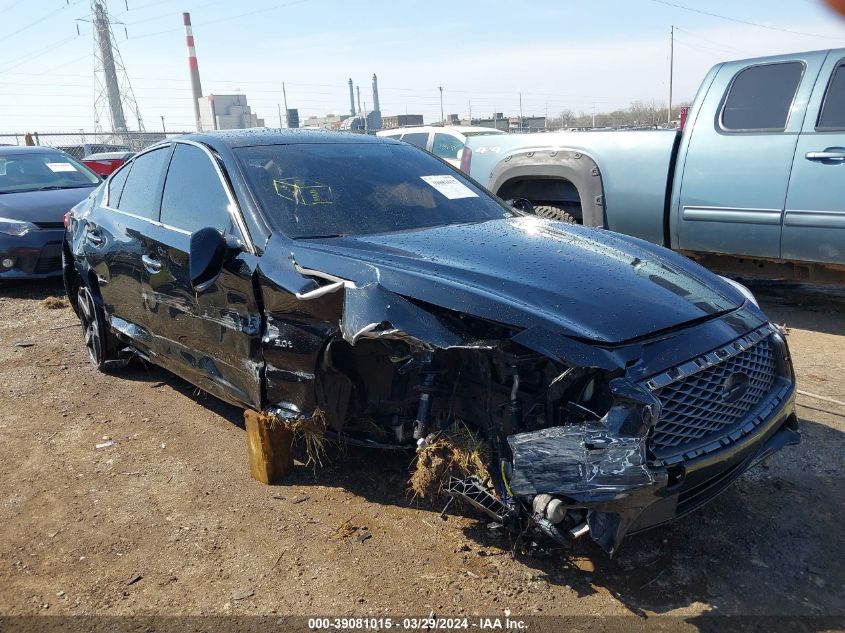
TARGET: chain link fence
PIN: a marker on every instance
(80, 144)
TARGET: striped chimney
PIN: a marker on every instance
(193, 67)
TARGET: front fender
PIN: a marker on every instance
(556, 163)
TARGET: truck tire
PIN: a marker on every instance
(554, 212)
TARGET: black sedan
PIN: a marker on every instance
(613, 384)
(38, 185)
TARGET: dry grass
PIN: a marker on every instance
(55, 303)
(312, 432)
(458, 452)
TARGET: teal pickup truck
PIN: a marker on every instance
(754, 184)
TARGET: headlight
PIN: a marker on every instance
(16, 227)
(745, 291)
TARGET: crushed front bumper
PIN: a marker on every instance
(36, 255)
(628, 493)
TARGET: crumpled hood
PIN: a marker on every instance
(586, 283)
(41, 206)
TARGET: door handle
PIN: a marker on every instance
(94, 237)
(152, 265)
(826, 155)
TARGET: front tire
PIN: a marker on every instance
(554, 212)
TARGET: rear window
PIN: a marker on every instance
(40, 171)
(329, 190)
(760, 97)
(832, 116)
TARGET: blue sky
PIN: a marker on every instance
(562, 54)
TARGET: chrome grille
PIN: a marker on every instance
(698, 405)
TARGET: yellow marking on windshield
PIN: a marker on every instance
(302, 192)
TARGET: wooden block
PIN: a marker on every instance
(270, 447)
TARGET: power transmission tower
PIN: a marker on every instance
(113, 94)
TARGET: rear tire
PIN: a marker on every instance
(554, 212)
(98, 340)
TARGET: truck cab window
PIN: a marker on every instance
(446, 145)
(832, 116)
(760, 97)
(420, 139)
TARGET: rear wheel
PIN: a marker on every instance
(554, 212)
(98, 342)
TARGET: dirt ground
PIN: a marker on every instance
(167, 520)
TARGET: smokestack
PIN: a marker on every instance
(193, 67)
(375, 94)
(351, 98)
(358, 88)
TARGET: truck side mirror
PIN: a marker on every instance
(206, 257)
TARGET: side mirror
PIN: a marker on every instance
(521, 204)
(206, 257)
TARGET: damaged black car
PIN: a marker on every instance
(610, 385)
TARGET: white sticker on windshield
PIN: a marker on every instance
(450, 187)
(56, 167)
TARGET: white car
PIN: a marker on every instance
(447, 142)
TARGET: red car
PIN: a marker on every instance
(104, 163)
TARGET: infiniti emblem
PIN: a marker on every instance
(734, 387)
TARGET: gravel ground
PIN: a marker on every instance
(167, 520)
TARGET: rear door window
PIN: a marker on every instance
(142, 192)
(116, 183)
(760, 97)
(420, 139)
(446, 145)
(832, 116)
(194, 197)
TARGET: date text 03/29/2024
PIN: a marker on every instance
(505, 623)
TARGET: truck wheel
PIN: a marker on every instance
(554, 212)
(99, 343)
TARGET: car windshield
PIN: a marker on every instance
(39, 171)
(321, 190)
(481, 132)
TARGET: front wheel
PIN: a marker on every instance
(554, 212)
(97, 339)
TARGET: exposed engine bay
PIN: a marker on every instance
(565, 431)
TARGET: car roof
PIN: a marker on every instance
(108, 155)
(20, 150)
(460, 129)
(263, 136)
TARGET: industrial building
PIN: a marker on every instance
(227, 112)
(361, 119)
(401, 120)
(513, 124)
(328, 122)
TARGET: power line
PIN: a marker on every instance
(20, 61)
(11, 5)
(746, 22)
(39, 20)
(706, 39)
(223, 19)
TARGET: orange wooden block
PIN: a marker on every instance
(270, 447)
